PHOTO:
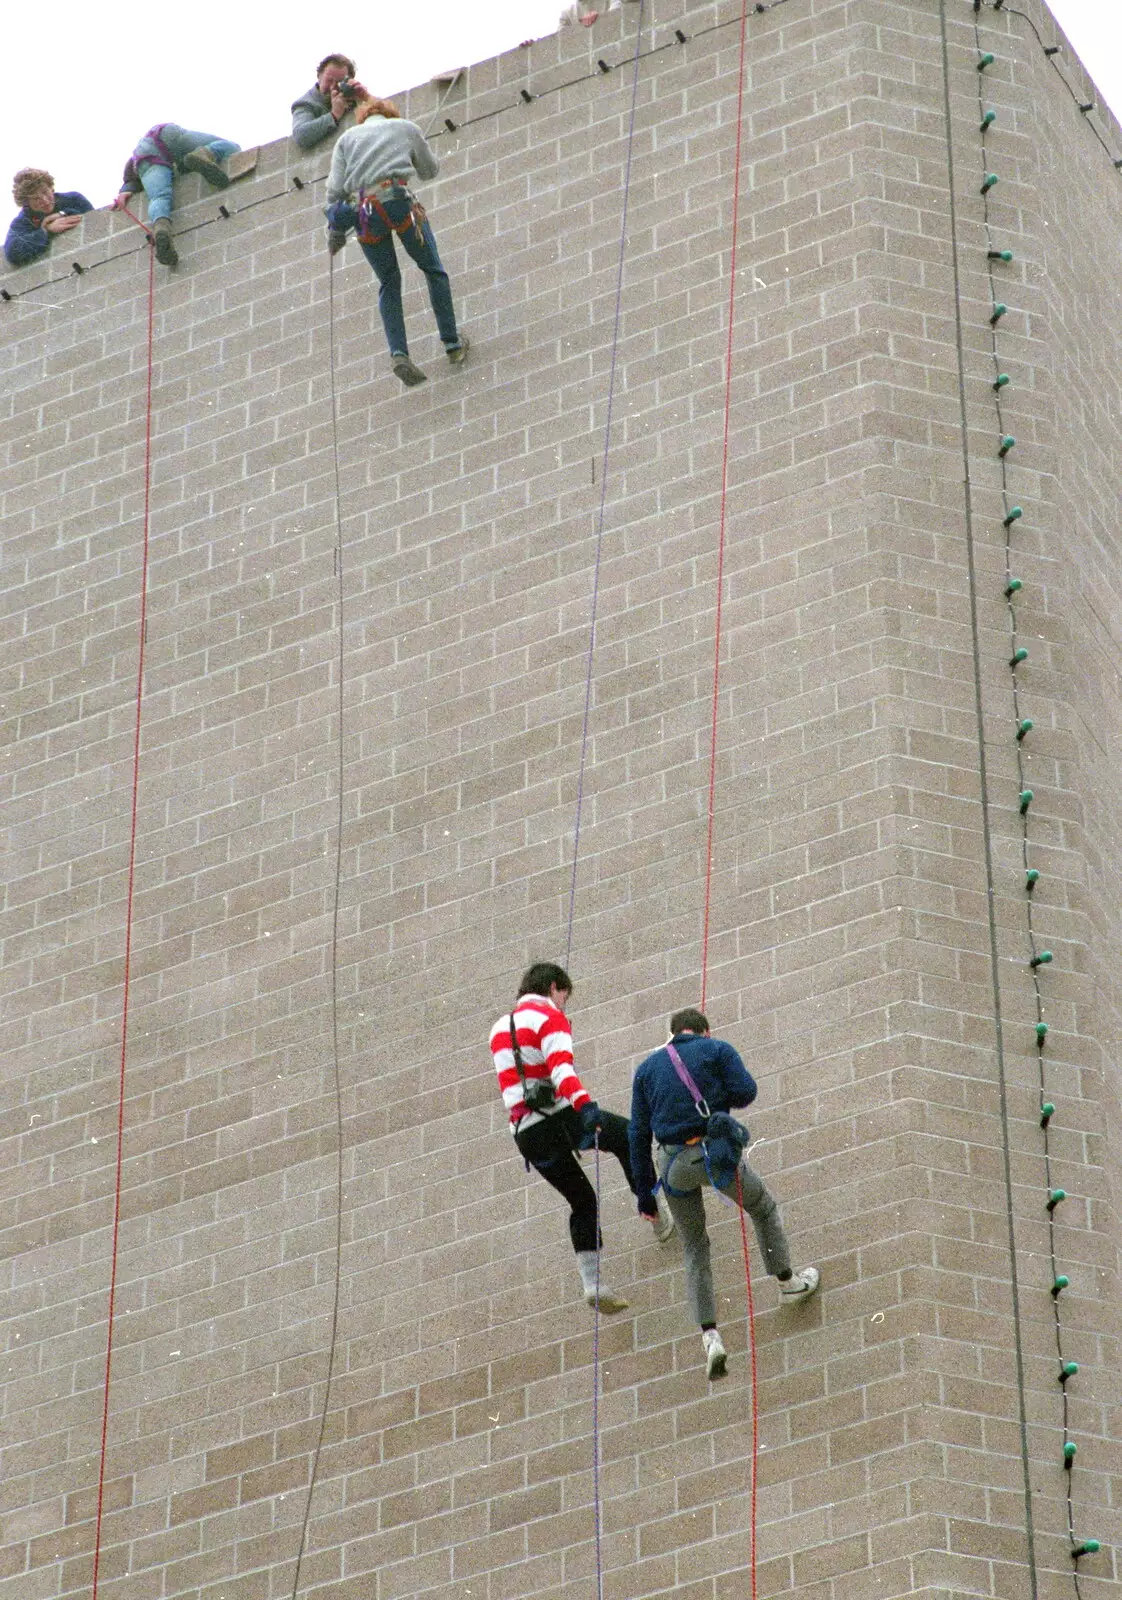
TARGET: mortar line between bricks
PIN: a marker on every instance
(987, 839)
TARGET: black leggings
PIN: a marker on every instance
(548, 1147)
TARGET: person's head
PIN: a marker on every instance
(34, 188)
(549, 980)
(689, 1020)
(331, 72)
(370, 106)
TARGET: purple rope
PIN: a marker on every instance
(604, 481)
(596, 1390)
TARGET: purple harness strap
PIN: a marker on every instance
(684, 1073)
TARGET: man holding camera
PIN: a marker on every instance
(552, 1114)
(317, 114)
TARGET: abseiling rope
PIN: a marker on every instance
(142, 631)
(750, 1312)
(340, 780)
(617, 317)
(597, 1508)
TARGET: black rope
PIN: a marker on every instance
(339, 660)
(987, 840)
(1050, 52)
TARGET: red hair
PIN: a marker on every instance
(373, 107)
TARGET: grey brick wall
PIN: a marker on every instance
(856, 955)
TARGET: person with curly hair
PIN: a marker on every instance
(43, 213)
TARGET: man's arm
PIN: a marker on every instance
(639, 1137)
(72, 204)
(25, 242)
(740, 1086)
(556, 1045)
(310, 127)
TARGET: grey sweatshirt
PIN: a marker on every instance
(312, 121)
(384, 147)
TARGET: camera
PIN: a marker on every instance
(538, 1094)
(348, 89)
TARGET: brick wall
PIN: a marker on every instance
(856, 954)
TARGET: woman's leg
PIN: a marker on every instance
(424, 253)
(383, 258)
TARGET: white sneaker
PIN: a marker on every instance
(609, 1303)
(664, 1226)
(716, 1357)
(800, 1284)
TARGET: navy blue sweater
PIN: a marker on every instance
(28, 239)
(662, 1105)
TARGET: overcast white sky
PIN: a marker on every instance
(84, 80)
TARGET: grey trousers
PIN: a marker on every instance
(684, 1166)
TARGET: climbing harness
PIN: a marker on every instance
(722, 1144)
(369, 204)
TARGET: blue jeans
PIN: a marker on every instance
(179, 142)
(383, 258)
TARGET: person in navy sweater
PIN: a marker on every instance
(688, 1157)
(42, 214)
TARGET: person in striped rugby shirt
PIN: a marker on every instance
(552, 1115)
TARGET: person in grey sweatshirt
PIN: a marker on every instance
(368, 189)
(317, 114)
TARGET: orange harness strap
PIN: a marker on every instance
(369, 203)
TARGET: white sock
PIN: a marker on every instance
(586, 1266)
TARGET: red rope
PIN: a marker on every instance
(713, 767)
(137, 220)
(724, 507)
(128, 917)
(755, 1377)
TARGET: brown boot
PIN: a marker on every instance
(166, 253)
(404, 369)
(201, 160)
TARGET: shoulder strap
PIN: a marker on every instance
(684, 1073)
(517, 1051)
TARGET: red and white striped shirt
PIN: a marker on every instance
(546, 1043)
